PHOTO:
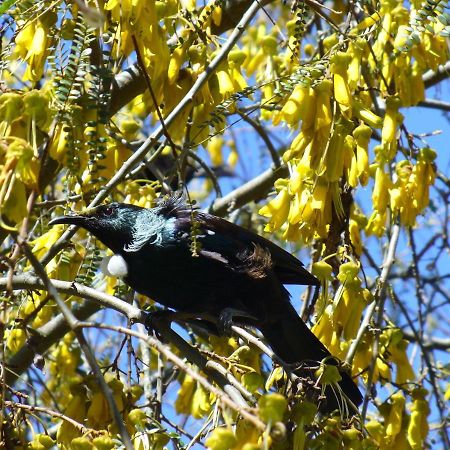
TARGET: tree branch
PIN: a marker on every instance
(51, 332)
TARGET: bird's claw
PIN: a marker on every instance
(229, 317)
(156, 319)
(225, 322)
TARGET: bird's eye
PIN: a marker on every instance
(108, 211)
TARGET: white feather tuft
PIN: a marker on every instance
(114, 266)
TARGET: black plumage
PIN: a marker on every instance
(214, 269)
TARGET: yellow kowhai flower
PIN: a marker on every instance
(43, 316)
(390, 123)
(175, 63)
(423, 176)
(301, 175)
(323, 271)
(401, 196)
(226, 85)
(172, 96)
(20, 158)
(202, 402)
(380, 194)
(184, 396)
(376, 224)
(326, 331)
(357, 222)
(298, 146)
(31, 45)
(214, 147)
(15, 339)
(418, 425)
(362, 135)
(417, 85)
(366, 115)
(362, 358)
(11, 108)
(394, 421)
(435, 49)
(384, 30)
(321, 205)
(277, 210)
(368, 21)
(41, 441)
(299, 106)
(246, 435)
(339, 64)
(333, 163)
(324, 114)
(403, 79)
(216, 15)
(356, 49)
(330, 41)
(76, 409)
(235, 60)
(382, 370)
(300, 209)
(398, 355)
(221, 439)
(98, 414)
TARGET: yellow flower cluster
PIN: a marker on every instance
(85, 403)
(193, 399)
(23, 120)
(336, 121)
(399, 430)
(325, 150)
(407, 196)
(32, 43)
(338, 322)
(392, 350)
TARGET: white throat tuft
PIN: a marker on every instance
(114, 266)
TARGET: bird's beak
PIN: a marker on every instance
(71, 219)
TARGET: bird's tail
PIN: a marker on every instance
(294, 342)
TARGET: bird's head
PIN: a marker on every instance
(113, 224)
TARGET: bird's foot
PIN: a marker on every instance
(156, 320)
(230, 316)
(163, 318)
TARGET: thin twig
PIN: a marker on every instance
(31, 408)
(381, 288)
(378, 304)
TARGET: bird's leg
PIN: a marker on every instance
(229, 316)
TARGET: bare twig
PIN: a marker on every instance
(31, 409)
(381, 293)
(377, 305)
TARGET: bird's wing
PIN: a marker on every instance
(231, 244)
(229, 236)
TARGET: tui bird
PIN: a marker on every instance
(200, 264)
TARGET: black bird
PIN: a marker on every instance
(198, 263)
